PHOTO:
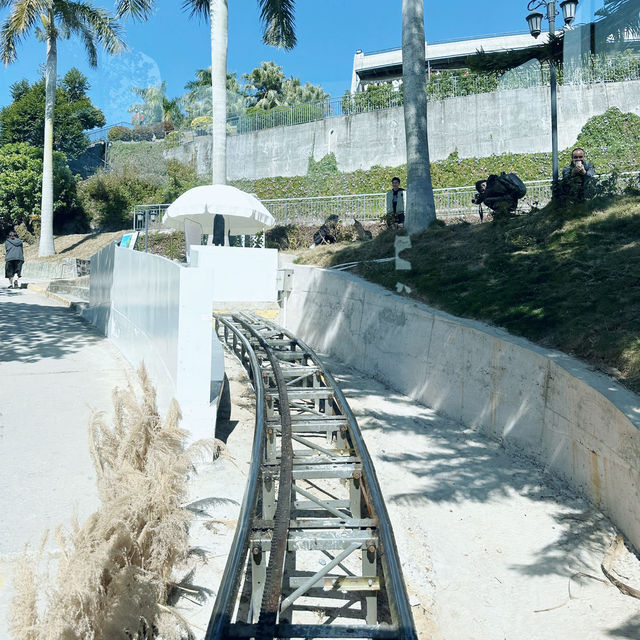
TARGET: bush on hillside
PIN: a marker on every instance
(142, 133)
(119, 133)
(612, 140)
(109, 198)
(202, 124)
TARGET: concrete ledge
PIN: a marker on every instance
(66, 268)
(75, 303)
(581, 425)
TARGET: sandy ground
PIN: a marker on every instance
(493, 548)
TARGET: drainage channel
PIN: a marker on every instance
(313, 554)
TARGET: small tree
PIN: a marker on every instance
(21, 182)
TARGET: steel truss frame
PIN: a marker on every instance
(312, 489)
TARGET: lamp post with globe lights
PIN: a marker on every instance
(534, 19)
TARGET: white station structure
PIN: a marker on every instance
(159, 311)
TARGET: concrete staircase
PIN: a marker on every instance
(75, 287)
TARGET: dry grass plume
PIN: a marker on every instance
(114, 571)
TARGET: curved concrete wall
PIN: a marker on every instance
(581, 425)
(515, 121)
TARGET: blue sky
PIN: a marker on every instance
(171, 46)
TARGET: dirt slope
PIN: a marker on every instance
(77, 245)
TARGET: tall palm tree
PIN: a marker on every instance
(277, 17)
(59, 19)
(420, 207)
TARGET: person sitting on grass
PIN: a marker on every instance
(578, 179)
(395, 205)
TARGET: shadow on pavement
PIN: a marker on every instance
(463, 465)
(30, 332)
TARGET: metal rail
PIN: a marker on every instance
(321, 546)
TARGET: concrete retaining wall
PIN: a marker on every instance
(67, 268)
(154, 311)
(516, 121)
(581, 425)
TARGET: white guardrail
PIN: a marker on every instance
(452, 203)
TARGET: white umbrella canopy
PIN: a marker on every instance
(243, 213)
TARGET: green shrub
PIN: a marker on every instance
(142, 133)
(119, 133)
(172, 140)
(109, 198)
(21, 186)
(202, 124)
(611, 140)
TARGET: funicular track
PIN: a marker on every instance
(313, 554)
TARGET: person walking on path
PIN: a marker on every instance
(13, 260)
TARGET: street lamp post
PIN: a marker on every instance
(534, 20)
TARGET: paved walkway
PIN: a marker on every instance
(54, 369)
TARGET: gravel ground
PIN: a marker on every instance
(492, 546)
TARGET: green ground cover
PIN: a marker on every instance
(610, 138)
(566, 277)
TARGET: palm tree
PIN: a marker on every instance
(59, 19)
(277, 17)
(197, 100)
(420, 207)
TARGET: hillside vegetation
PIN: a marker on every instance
(564, 277)
(610, 138)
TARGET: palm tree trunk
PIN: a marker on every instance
(46, 247)
(219, 36)
(420, 208)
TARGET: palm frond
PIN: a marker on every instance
(279, 22)
(136, 9)
(619, 16)
(97, 25)
(86, 36)
(197, 8)
(22, 17)
(506, 60)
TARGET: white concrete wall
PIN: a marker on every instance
(155, 312)
(581, 425)
(515, 121)
(239, 274)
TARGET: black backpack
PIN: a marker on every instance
(503, 191)
(326, 234)
(505, 184)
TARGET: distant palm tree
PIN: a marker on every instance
(420, 207)
(277, 16)
(58, 19)
(197, 100)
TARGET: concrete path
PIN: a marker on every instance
(54, 369)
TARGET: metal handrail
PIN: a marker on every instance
(229, 585)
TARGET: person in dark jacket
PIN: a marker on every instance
(395, 204)
(578, 178)
(13, 260)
